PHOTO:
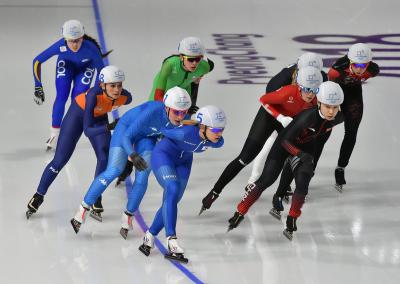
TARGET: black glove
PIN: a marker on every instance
(139, 163)
(193, 109)
(300, 158)
(209, 199)
(112, 125)
(39, 95)
(127, 172)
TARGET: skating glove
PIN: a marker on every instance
(284, 120)
(209, 199)
(39, 95)
(127, 172)
(138, 162)
(300, 158)
(112, 125)
(193, 109)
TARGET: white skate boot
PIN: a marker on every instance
(126, 224)
(51, 143)
(175, 251)
(80, 217)
(148, 243)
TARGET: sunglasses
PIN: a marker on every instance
(194, 59)
(179, 112)
(309, 90)
(216, 129)
(359, 65)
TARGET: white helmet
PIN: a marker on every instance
(111, 74)
(72, 29)
(177, 98)
(211, 116)
(310, 59)
(330, 93)
(191, 46)
(309, 77)
(360, 53)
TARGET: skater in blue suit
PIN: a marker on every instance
(171, 164)
(79, 56)
(88, 114)
(134, 138)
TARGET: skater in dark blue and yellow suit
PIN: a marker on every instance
(79, 57)
(88, 114)
(171, 163)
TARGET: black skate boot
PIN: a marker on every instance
(96, 210)
(339, 177)
(288, 193)
(235, 221)
(208, 200)
(290, 227)
(34, 204)
(277, 207)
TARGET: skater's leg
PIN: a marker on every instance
(116, 163)
(135, 195)
(264, 124)
(259, 161)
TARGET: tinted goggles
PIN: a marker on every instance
(359, 65)
(216, 129)
(194, 59)
(309, 90)
(179, 112)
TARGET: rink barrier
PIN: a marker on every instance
(138, 216)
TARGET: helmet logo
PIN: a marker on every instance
(119, 74)
(220, 116)
(195, 48)
(333, 97)
(312, 79)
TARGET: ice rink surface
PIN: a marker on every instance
(351, 237)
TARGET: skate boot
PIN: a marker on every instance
(290, 227)
(339, 177)
(175, 251)
(208, 200)
(96, 210)
(277, 207)
(34, 204)
(235, 221)
(80, 217)
(51, 143)
(126, 224)
(288, 193)
(148, 243)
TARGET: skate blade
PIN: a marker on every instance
(275, 213)
(286, 199)
(177, 257)
(145, 249)
(75, 225)
(28, 214)
(288, 234)
(124, 233)
(96, 216)
(339, 187)
(202, 210)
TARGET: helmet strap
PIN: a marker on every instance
(105, 92)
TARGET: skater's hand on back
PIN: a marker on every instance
(39, 95)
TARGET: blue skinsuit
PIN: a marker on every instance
(77, 67)
(171, 164)
(141, 127)
(75, 122)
